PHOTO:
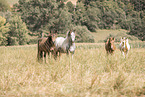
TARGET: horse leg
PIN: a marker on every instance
(41, 54)
(67, 52)
(72, 54)
(38, 55)
(48, 54)
(45, 56)
(55, 54)
(59, 54)
(123, 54)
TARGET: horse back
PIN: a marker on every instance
(59, 41)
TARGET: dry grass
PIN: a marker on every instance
(91, 73)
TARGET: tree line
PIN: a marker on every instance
(30, 18)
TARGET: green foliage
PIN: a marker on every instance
(79, 17)
(61, 24)
(139, 5)
(7, 15)
(93, 15)
(83, 34)
(2, 21)
(4, 6)
(139, 30)
(58, 17)
(3, 30)
(70, 6)
(37, 13)
(18, 31)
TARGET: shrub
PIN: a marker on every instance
(3, 30)
(83, 34)
(18, 33)
(4, 6)
(123, 34)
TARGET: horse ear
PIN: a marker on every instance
(108, 40)
(74, 31)
(68, 33)
(113, 39)
(126, 39)
(121, 39)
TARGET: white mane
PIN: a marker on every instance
(124, 46)
(65, 45)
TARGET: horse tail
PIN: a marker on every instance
(38, 49)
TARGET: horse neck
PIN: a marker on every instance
(49, 42)
(68, 41)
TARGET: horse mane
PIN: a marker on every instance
(109, 45)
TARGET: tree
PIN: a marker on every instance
(18, 33)
(61, 24)
(83, 34)
(79, 16)
(3, 30)
(139, 5)
(138, 30)
(37, 13)
(4, 6)
(93, 15)
(70, 6)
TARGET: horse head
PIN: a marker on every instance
(50, 41)
(123, 42)
(111, 43)
(73, 36)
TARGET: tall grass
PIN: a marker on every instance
(90, 73)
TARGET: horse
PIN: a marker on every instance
(45, 45)
(124, 46)
(109, 45)
(65, 45)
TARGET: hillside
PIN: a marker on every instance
(88, 17)
(101, 35)
(11, 2)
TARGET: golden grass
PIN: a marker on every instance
(90, 73)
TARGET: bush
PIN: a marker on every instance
(70, 6)
(83, 34)
(3, 30)
(18, 34)
(123, 34)
(4, 6)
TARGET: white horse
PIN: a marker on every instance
(65, 45)
(124, 46)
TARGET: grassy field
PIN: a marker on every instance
(89, 74)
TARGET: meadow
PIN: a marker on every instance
(91, 73)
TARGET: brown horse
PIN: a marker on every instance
(109, 45)
(45, 45)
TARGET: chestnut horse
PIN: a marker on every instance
(109, 45)
(45, 45)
